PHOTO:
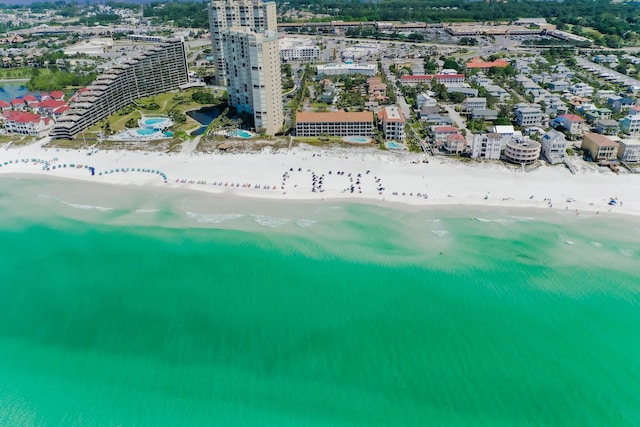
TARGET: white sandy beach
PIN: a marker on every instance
(375, 176)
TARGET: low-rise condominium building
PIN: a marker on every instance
(338, 123)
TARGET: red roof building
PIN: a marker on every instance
(57, 95)
(481, 64)
(427, 78)
(24, 123)
(4, 105)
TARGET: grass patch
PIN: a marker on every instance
(15, 73)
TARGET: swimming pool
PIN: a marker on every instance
(240, 134)
(357, 139)
(145, 132)
(155, 122)
(394, 145)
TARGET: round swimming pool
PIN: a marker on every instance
(240, 134)
(154, 120)
(357, 139)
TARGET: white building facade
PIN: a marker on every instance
(254, 82)
(486, 146)
(252, 14)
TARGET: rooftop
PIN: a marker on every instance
(334, 117)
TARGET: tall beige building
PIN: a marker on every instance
(254, 82)
(224, 14)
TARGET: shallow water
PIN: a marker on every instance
(131, 306)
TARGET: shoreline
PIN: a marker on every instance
(360, 175)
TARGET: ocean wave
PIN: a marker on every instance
(304, 223)
(212, 218)
(147, 210)
(269, 221)
(86, 207)
(626, 252)
(596, 244)
(501, 221)
(440, 233)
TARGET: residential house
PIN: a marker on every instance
(528, 116)
(424, 100)
(18, 104)
(581, 89)
(498, 92)
(442, 133)
(469, 105)
(617, 103)
(558, 86)
(485, 114)
(4, 106)
(25, 123)
(631, 123)
(464, 89)
(594, 115)
(575, 125)
(554, 146)
(607, 127)
(629, 151)
(58, 95)
(600, 148)
(522, 150)
(486, 146)
(438, 120)
(603, 95)
(392, 122)
(455, 144)
(31, 100)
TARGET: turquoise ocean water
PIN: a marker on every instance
(137, 307)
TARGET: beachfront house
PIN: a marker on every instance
(455, 144)
(554, 146)
(631, 123)
(442, 133)
(24, 123)
(629, 151)
(581, 89)
(486, 146)
(601, 149)
(522, 151)
(392, 122)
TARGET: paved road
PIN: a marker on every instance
(459, 120)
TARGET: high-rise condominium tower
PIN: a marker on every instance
(254, 84)
(252, 14)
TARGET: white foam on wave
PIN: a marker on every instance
(269, 221)
(501, 221)
(86, 207)
(212, 218)
(597, 244)
(142, 211)
(304, 223)
(565, 239)
(626, 252)
(440, 233)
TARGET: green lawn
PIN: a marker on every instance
(15, 73)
